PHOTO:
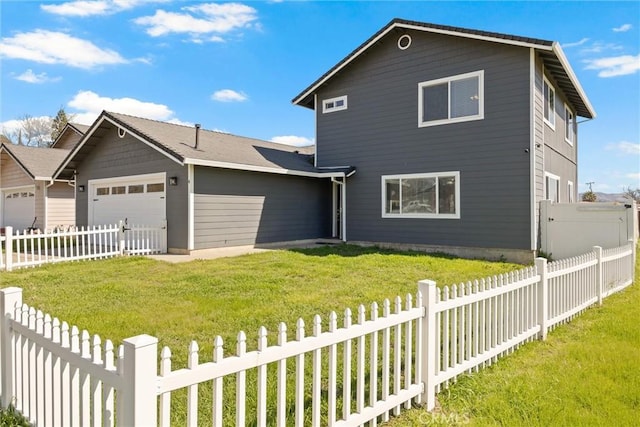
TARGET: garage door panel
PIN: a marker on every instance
(138, 200)
(18, 208)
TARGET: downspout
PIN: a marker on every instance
(45, 194)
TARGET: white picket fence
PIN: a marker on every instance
(32, 248)
(361, 371)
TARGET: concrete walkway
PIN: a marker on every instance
(240, 250)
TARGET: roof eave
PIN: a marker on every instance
(264, 169)
(557, 50)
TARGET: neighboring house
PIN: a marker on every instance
(29, 194)
(213, 189)
(456, 134)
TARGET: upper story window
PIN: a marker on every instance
(549, 104)
(552, 187)
(430, 195)
(451, 99)
(334, 104)
(570, 123)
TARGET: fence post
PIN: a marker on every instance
(599, 274)
(121, 237)
(632, 242)
(543, 297)
(140, 369)
(8, 249)
(9, 298)
(428, 290)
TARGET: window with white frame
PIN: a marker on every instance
(570, 191)
(552, 187)
(452, 99)
(429, 195)
(570, 123)
(334, 104)
(549, 104)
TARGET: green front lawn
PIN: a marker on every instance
(124, 297)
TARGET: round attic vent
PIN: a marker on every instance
(404, 41)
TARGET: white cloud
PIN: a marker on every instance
(84, 8)
(615, 65)
(622, 28)
(50, 47)
(91, 105)
(574, 44)
(624, 147)
(10, 126)
(30, 77)
(203, 19)
(633, 175)
(599, 47)
(296, 141)
(228, 95)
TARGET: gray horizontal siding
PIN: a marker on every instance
(379, 134)
(114, 157)
(235, 208)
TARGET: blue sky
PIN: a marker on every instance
(236, 66)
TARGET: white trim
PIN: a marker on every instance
(315, 125)
(532, 149)
(191, 211)
(569, 125)
(18, 188)
(400, 46)
(326, 109)
(423, 29)
(546, 82)
(344, 211)
(252, 168)
(436, 175)
(555, 48)
(422, 85)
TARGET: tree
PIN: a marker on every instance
(59, 122)
(31, 131)
(632, 193)
(589, 196)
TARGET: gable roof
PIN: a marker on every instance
(39, 163)
(550, 52)
(215, 149)
(71, 127)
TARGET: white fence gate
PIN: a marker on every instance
(31, 248)
(363, 370)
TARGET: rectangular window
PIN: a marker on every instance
(102, 191)
(121, 189)
(549, 104)
(155, 188)
(452, 99)
(431, 195)
(136, 189)
(570, 191)
(334, 104)
(552, 187)
(569, 121)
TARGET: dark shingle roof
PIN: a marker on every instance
(39, 163)
(216, 149)
(550, 52)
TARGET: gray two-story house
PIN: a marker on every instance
(456, 135)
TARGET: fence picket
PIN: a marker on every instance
(60, 376)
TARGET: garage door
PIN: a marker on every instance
(138, 199)
(18, 208)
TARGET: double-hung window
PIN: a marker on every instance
(552, 187)
(549, 104)
(429, 195)
(569, 121)
(451, 99)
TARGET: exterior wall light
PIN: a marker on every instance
(81, 188)
(173, 180)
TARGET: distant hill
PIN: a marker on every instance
(609, 197)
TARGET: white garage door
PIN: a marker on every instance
(140, 200)
(18, 208)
